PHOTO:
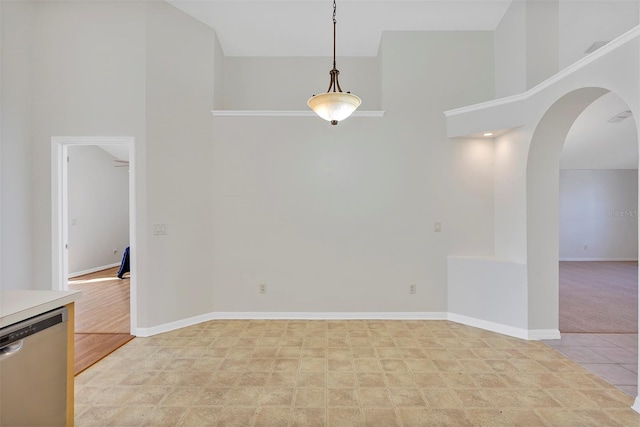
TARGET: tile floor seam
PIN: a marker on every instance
(613, 343)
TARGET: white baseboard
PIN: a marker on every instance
(535, 334)
(636, 404)
(598, 259)
(172, 326)
(331, 315)
(260, 315)
(512, 331)
(92, 270)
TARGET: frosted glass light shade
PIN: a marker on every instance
(334, 106)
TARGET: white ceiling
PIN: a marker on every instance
(304, 27)
(594, 143)
(120, 152)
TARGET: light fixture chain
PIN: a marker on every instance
(334, 43)
(334, 11)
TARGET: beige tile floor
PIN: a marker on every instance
(613, 357)
(351, 373)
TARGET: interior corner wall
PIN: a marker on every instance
(510, 220)
(219, 76)
(542, 36)
(180, 68)
(598, 215)
(16, 37)
(510, 52)
(98, 209)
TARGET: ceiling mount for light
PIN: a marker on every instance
(334, 105)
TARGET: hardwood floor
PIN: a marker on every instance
(102, 322)
(104, 306)
(91, 348)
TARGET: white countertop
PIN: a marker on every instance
(16, 306)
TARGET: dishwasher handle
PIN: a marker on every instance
(11, 349)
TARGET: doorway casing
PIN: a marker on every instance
(59, 210)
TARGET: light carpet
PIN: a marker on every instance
(599, 297)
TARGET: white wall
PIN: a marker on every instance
(341, 218)
(535, 39)
(540, 121)
(542, 29)
(180, 66)
(121, 69)
(510, 52)
(584, 22)
(474, 301)
(331, 218)
(286, 83)
(526, 46)
(88, 80)
(16, 26)
(598, 214)
(98, 209)
(218, 76)
(510, 220)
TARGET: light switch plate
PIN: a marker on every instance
(159, 229)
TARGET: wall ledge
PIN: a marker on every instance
(287, 113)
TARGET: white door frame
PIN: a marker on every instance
(59, 211)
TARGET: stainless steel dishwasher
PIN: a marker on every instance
(33, 371)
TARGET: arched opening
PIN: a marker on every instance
(598, 222)
(543, 177)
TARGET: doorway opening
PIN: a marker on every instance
(59, 207)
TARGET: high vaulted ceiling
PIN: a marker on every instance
(295, 28)
(304, 27)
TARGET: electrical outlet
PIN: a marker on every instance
(263, 288)
(437, 227)
(412, 289)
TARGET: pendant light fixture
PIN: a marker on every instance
(334, 105)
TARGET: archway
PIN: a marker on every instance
(543, 167)
(598, 234)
